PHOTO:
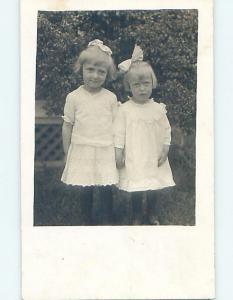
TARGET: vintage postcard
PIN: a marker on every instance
(117, 150)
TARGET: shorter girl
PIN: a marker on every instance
(88, 131)
(142, 139)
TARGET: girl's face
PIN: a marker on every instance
(94, 75)
(140, 86)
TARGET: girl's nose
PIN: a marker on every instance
(142, 88)
(95, 74)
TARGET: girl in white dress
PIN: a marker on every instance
(142, 139)
(88, 131)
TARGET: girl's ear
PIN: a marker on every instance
(154, 80)
(112, 73)
(77, 66)
(126, 85)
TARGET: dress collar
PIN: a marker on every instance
(89, 93)
(151, 100)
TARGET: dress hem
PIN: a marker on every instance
(143, 189)
(92, 184)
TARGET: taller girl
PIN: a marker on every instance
(88, 130)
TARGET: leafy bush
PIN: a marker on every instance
(168, 38)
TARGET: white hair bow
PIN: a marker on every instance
(101, 46)
(136, 56)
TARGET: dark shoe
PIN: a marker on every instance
(154, 220)
(137, 220)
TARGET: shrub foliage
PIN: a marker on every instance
(168, 38)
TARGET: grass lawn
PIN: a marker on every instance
(58, 204)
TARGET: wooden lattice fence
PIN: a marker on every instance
(48, 138)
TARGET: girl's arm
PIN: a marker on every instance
(66, 136)
(67, 127)
(164, 155)
(166, 141)
(119, 155)
(119, 138)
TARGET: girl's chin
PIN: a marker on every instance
(92, 88)
(140, 100)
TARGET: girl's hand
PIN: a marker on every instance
(65, 158)
(119, 155)
(164, 154)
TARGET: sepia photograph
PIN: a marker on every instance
(115, 117)
(117, 161)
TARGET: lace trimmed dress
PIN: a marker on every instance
(142, 130)
(91, 156)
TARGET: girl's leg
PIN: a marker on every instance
(152, 207)
(106, 200)
(137, 208)
(74, 216)
(86, 195)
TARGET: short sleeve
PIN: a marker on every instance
(165, 125)
(69, 110)
(119, 129)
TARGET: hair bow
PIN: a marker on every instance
(136, 56)
(101, 46)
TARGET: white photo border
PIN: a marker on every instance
(119, 262)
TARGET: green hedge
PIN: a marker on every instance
(168, 38)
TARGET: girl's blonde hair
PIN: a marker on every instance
(139, 67)
(94, 53)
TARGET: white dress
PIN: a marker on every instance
(91, 156)
(142, 130)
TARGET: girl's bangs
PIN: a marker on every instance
(96, 56)
(141, 69)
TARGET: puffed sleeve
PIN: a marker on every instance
(69, 110)
(165, 125)
(119, 129)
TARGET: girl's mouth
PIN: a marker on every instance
(94, 81)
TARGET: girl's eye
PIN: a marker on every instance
(89, 69)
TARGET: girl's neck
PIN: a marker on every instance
(92, 90)
(137, 101)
